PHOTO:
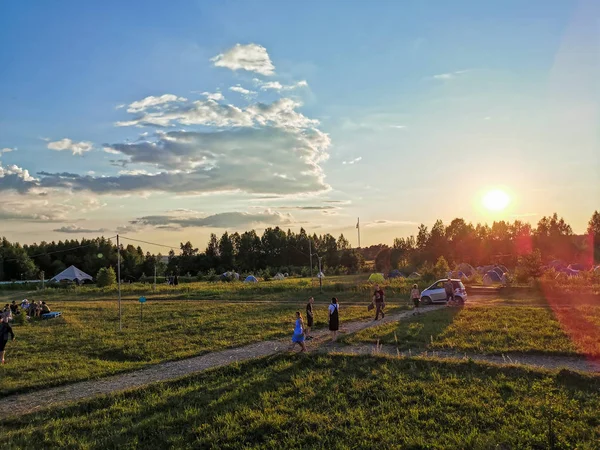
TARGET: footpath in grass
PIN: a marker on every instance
(482, 329)
(85, 343)
(332, 401)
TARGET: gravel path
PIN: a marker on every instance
(546, 362)
(33, 401)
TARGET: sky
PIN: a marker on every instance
(168, 121)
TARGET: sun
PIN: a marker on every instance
(496, 200)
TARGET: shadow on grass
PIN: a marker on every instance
(297, 399)
(415, 333)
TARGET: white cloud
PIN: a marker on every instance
(153, 102)
(78, 148)
(240, 90)
(216, 96)
(251, 57)
(110, 150)
(15, 178)
(281, 113)
(398, 127)
(273, 161)
(72, 229)
(449, 75)
(277, 86)
(228, 220)
(353, 161)
(7, 150)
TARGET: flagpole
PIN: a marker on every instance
(358, 228)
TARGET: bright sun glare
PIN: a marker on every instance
(496, 200)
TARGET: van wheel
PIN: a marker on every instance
(426, 300)
(459, 300)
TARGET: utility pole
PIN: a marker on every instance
(358, 228)
(119, 281)
(154, 287)
(310, 255)
(320, 275)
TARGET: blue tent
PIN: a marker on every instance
(250, 279)
(494, 276)
(498, 270)
(395, 274)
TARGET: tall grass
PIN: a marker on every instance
(332, 402)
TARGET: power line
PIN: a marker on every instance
(60, 251)
(149, 243)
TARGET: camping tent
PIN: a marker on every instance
(491, 277)
(376, 278)
(499, 271)
(250, 279)
(279, 276)
(504, 268)
(467, 269)
(230, 276)
(395, 274)
(578, 267)
(414, 276)
(320, 275)
(72, 274)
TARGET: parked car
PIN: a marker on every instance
(436, 293)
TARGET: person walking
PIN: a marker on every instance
(449, 287)
(309, 318)
(334, 318)
(298, 336)
(379, 299)
(415, 294)
(6, 334)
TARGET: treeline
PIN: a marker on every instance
(278, 250)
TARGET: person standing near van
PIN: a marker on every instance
(415, 294)
(449, 287)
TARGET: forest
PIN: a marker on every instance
(287, 251)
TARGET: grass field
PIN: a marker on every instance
(490, 330)
(337, 401)
(354, 287)
(84, 343)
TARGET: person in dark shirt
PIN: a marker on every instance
(449, 288)
(6, 334)
(379, 299)
(309, 318)
(14, 308)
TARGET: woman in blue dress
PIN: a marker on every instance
(298, 336)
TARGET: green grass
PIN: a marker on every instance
(85, 343)
(353, 287)
(333, 401)
(483, 329)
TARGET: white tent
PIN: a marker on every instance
(72, 273)
(279, 276)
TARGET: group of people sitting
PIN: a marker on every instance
(31, 309)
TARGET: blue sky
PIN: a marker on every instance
(397, 112)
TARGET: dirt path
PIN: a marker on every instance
(33, 401)
(546, 362)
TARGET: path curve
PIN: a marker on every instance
(551, 362)
(18, 404)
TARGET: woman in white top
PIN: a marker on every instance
(334, 318)
(415, 294)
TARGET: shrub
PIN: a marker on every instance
(441, 268)
(106, 277)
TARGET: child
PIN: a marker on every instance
(298, 336)
(415, 294)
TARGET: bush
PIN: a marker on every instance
(106, 277)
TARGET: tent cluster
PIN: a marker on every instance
(493, 274)
(570, 270)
